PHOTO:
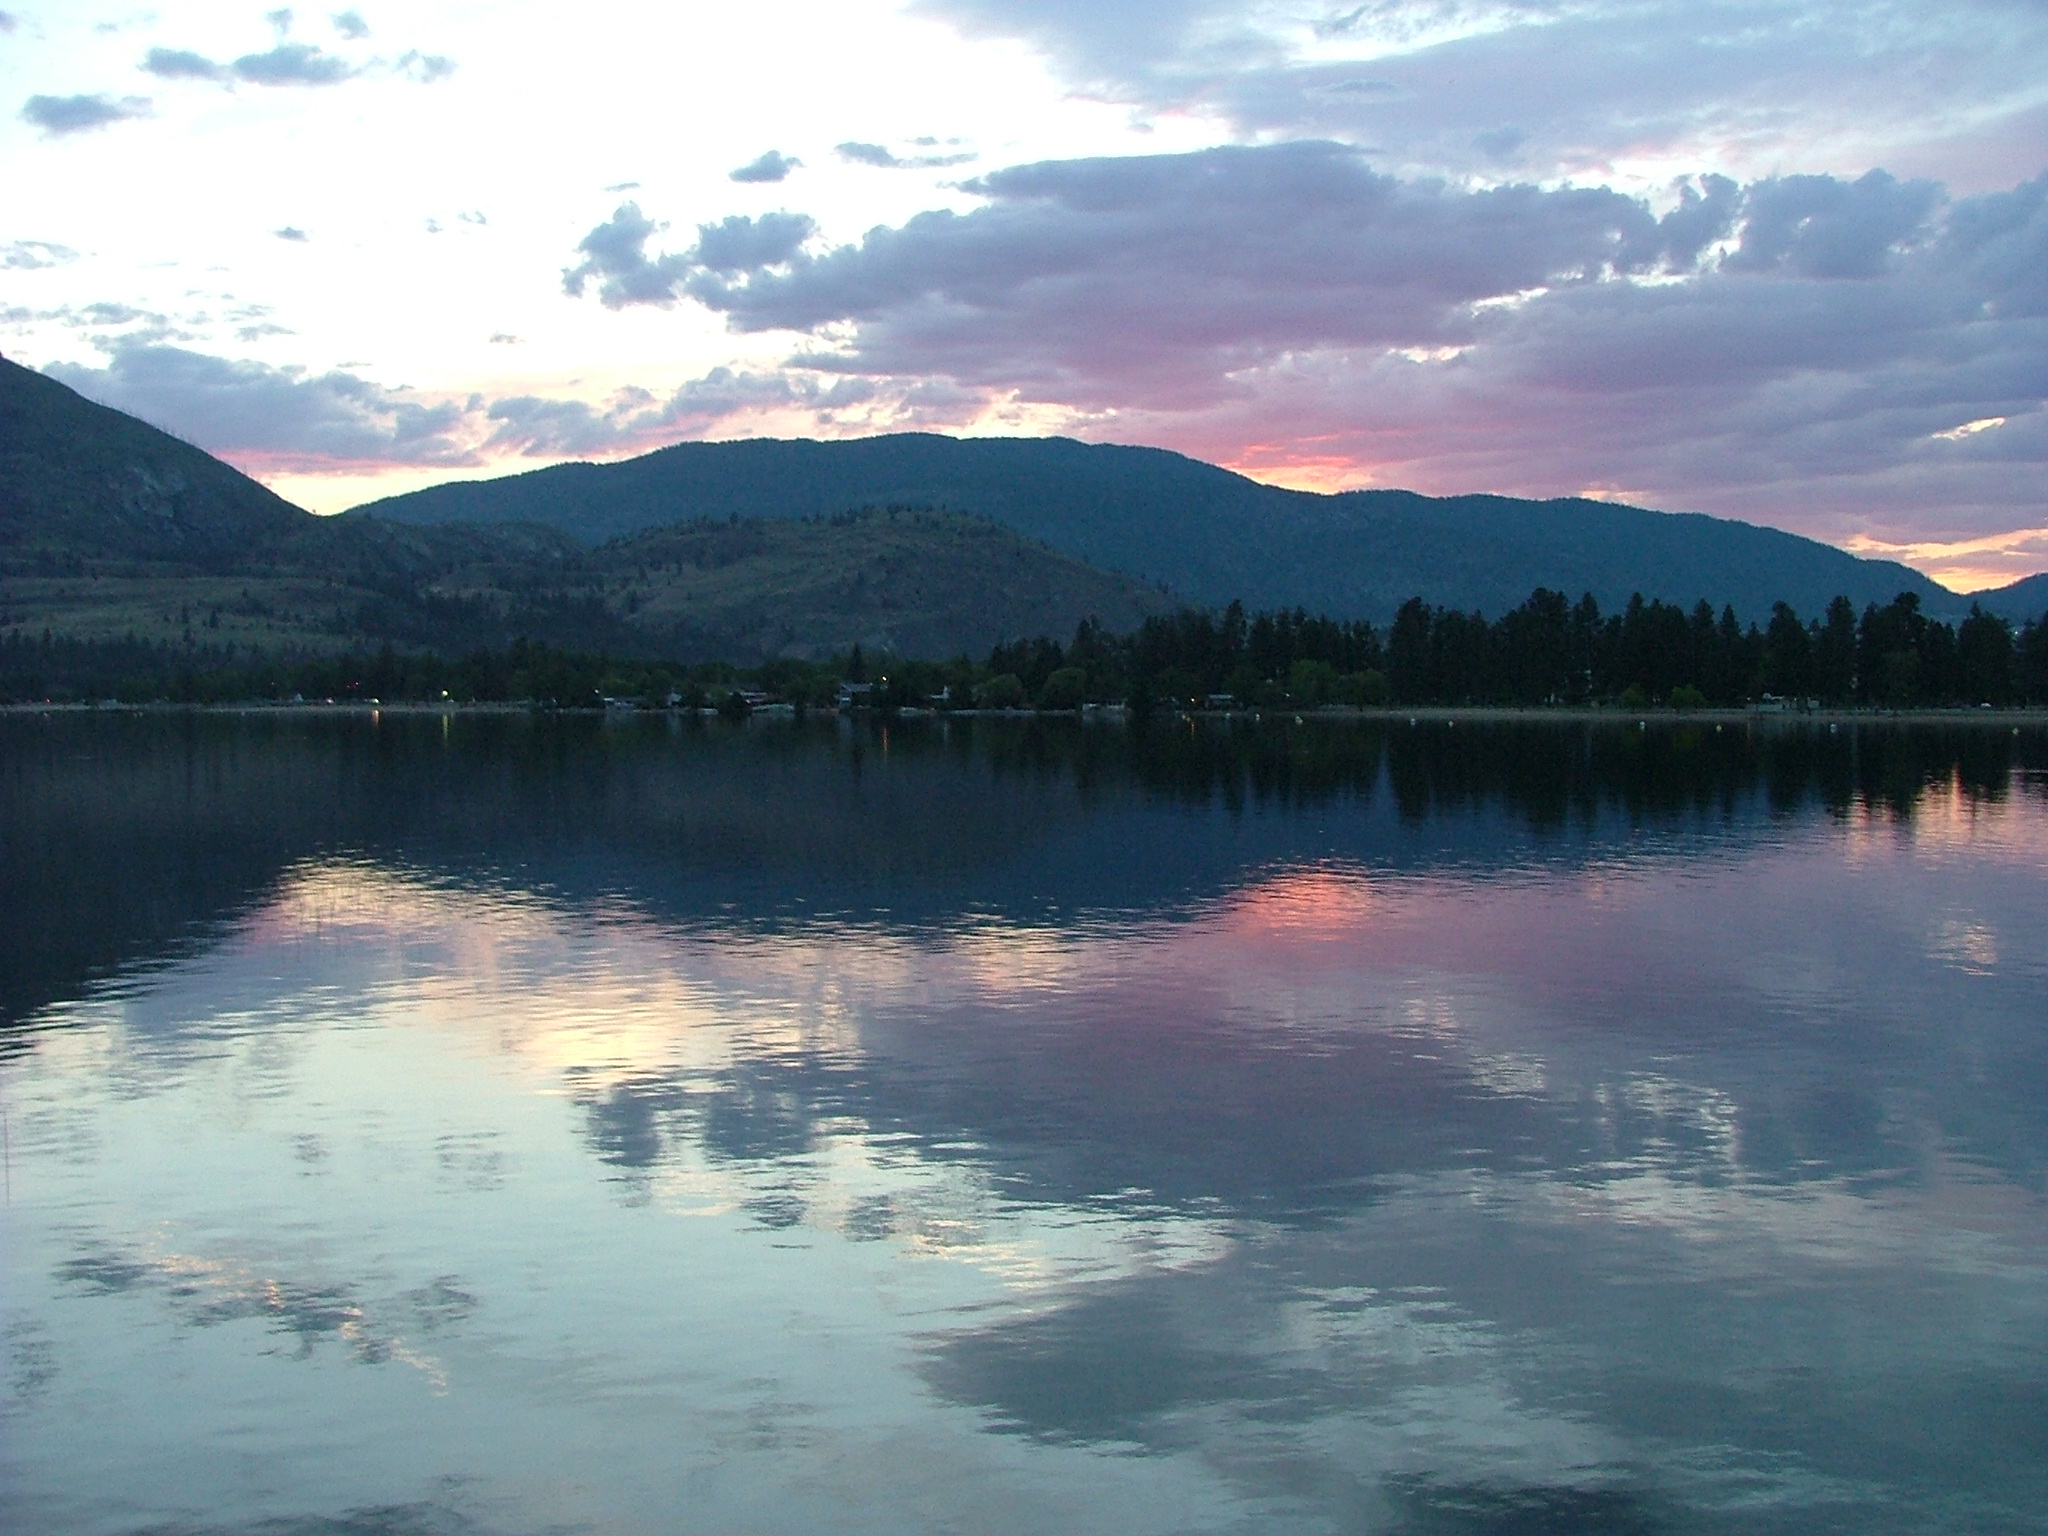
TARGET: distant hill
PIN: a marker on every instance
(2024, 599)
(111, 529)
(1210, 534)
(78, 480)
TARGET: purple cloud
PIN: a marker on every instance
(251, 412)
(1167, 273)
(639, 419)
(1792, 349)
(615, 255)
(1555, 89)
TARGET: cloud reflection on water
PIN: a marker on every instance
(1668, 1189)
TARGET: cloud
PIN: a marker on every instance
(100, 316)
(856, 153)
(746, 245)
(182, 64)
(1124, 268)
(286, 64)
(293, 64)
(426, 68)
(635, 418)
(1572, 89)
(638, 419)
(290, 232)
(1791, 349)
(615, 254)
(1818, 226)
(1969, 429)
(61, 115)
(865, 154)
(28, 255)
(772, 166)
(8, 21)
(280, 417)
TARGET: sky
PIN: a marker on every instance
(1787, 263)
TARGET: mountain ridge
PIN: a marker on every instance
(114, 531)
(1207, 532)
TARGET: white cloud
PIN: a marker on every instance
(1968, 429)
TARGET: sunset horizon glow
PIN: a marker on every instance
(1769, 262)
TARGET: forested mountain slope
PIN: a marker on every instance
(1209, 534)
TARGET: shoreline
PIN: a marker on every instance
(1435, 714)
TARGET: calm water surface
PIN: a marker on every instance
(500, 1126)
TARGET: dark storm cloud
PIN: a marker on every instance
(772, 166)
(615, 255)
(61, 115)
(251, 409)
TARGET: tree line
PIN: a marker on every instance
(1548, 651)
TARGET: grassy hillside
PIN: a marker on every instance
(916, 581)
(1210, 534)
(80, 482)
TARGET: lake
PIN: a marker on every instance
(507, 1125)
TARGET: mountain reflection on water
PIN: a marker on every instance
(512, 1125)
